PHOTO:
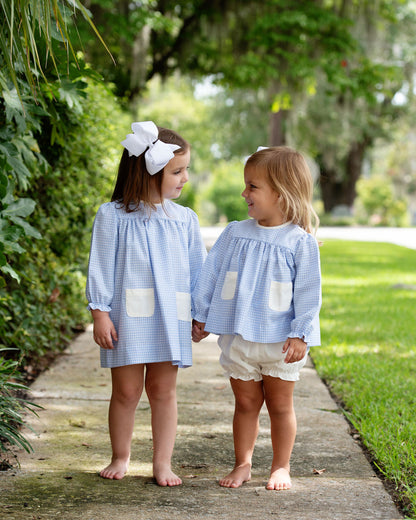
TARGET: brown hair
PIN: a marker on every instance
(134, 182)
(288, 174)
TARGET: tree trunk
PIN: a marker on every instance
(278, 128)
(339, 189)
(138, 66)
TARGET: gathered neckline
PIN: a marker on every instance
(273, 227)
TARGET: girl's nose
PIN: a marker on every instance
(244, 193)
(185, 176)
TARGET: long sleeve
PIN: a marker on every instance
(101, 267)
(197, 250)
(206, 285)
(307, 295)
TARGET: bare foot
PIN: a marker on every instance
(116, 469)
(279, 480)
(237, 477)
(164, 476)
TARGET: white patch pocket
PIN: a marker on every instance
(230, 283)
(280, 296)
(183, 306)
(140, 303)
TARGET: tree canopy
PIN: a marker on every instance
(329, 72)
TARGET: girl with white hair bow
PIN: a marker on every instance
(146, 254)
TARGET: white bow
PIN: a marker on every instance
(258, 150)
(145, 137)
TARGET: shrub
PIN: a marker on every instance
(41, 305)
(225, 190)
(58, 166)
(11, 408)
(377, 201)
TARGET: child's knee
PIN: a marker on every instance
(249, 403)
(279, 406)
(159, 391)
(127, 396)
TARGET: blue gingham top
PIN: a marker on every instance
(142, 269)
(263, 283)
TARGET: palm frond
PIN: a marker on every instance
(24, 24)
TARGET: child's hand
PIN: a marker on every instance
(198, 331)
(295, 348)
(104, 330)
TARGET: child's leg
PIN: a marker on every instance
(127, 388)
(161, 391)
(249, 399)
(279, 401)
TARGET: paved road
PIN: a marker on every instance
(399, 236)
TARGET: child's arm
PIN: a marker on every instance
(104, 330)
(206, 283)
(295, 349)
(100, 279)
(307, 296)
(196, 248)
(198, 331)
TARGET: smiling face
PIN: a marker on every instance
(262, 201)
(175, 176)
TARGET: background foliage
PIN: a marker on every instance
(53, 150)
(40, 306)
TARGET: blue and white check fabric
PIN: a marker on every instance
(263, 283)
(142, 269)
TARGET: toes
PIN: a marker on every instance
(115, 471)
(230, 483)
(279, 480)
(169, 480)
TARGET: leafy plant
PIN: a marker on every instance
(12, 407)
(55, 134)
(225, 190)
(25, 26)
(381, 206)
(44, 301)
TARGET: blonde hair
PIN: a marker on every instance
(288, 174)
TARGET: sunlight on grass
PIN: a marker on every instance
(368, 352)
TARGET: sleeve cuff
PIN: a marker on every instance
(200, 318)
(99, 307)
(303, 337)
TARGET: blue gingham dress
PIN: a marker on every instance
(142, 269)
(263, 283)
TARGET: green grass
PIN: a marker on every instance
(368, 352)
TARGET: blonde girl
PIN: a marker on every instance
(260, 291)
(146, 254)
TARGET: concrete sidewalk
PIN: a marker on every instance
(60, 479)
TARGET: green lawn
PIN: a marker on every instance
(368, 352)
